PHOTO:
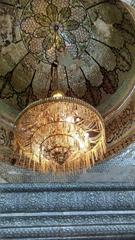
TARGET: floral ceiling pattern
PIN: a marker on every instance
(59, 26)
(98, 62)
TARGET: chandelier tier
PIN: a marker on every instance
(59, 134)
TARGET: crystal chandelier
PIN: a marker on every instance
(59, 133)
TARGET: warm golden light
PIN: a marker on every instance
(57, 94)
(59, 135)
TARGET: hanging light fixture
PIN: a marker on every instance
(59, 133)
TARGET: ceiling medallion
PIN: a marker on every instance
(50, 26)
(58, 133)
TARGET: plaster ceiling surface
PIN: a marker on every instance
(131, 2)
(98, 65)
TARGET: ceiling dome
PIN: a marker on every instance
(95, 46)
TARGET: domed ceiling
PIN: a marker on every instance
(97, 64)
(96, 55)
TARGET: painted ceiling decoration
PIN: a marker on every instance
(50, 25)
(101, 62)
(98, 65)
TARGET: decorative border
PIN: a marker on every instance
(67, 211)
(121, 145)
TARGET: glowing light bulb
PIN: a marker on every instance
(70, 119)
(57, 94)
(86, 135)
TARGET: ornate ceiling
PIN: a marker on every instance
(99, 38)
(98, 66)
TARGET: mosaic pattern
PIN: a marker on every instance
(54, 28)
(102, 72)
